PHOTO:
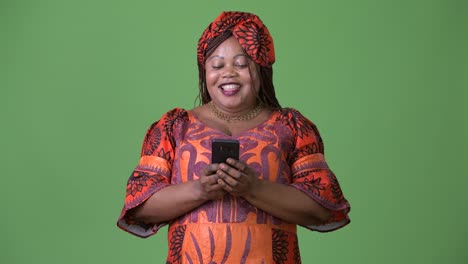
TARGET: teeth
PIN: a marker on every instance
(230, 87)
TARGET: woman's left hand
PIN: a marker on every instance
(237, 178)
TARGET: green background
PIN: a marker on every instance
(385, 82)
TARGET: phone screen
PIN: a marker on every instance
(222, 149)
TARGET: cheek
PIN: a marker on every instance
(210, 77)
(255, 79)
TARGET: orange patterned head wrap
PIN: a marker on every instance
(250, 32)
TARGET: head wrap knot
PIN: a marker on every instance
(248, 29)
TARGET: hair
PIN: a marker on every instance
(266, 94)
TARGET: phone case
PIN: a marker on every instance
(222, 149)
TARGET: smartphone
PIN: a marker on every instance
(222, 149)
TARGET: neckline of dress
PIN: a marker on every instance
(193, 115)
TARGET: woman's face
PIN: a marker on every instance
(228, 78)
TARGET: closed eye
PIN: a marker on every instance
(242, 65)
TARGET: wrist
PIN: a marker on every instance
(255, 189)
(199, 194)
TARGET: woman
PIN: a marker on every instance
(241, 211)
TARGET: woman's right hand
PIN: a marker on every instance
(208, 183)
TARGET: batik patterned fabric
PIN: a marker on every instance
(248, 29)
(286, 149)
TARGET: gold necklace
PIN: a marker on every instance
(250, 115)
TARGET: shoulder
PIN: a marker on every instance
(290, 112)
(169, 123)
(294, 117)
(170, 118)
(303, 128)
(165, 130)
(174, 116)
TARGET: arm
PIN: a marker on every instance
(287, 203)
(282, 201)
(150, 182)
(176, 200)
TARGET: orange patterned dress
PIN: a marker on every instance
(286, 148)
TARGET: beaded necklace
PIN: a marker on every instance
(248, 116)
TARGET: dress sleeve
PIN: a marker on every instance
(152, 174)
(311, 174)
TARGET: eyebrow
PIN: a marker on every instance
(221, 57)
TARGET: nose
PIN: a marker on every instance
(229, 71)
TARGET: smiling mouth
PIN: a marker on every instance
(229, 87)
